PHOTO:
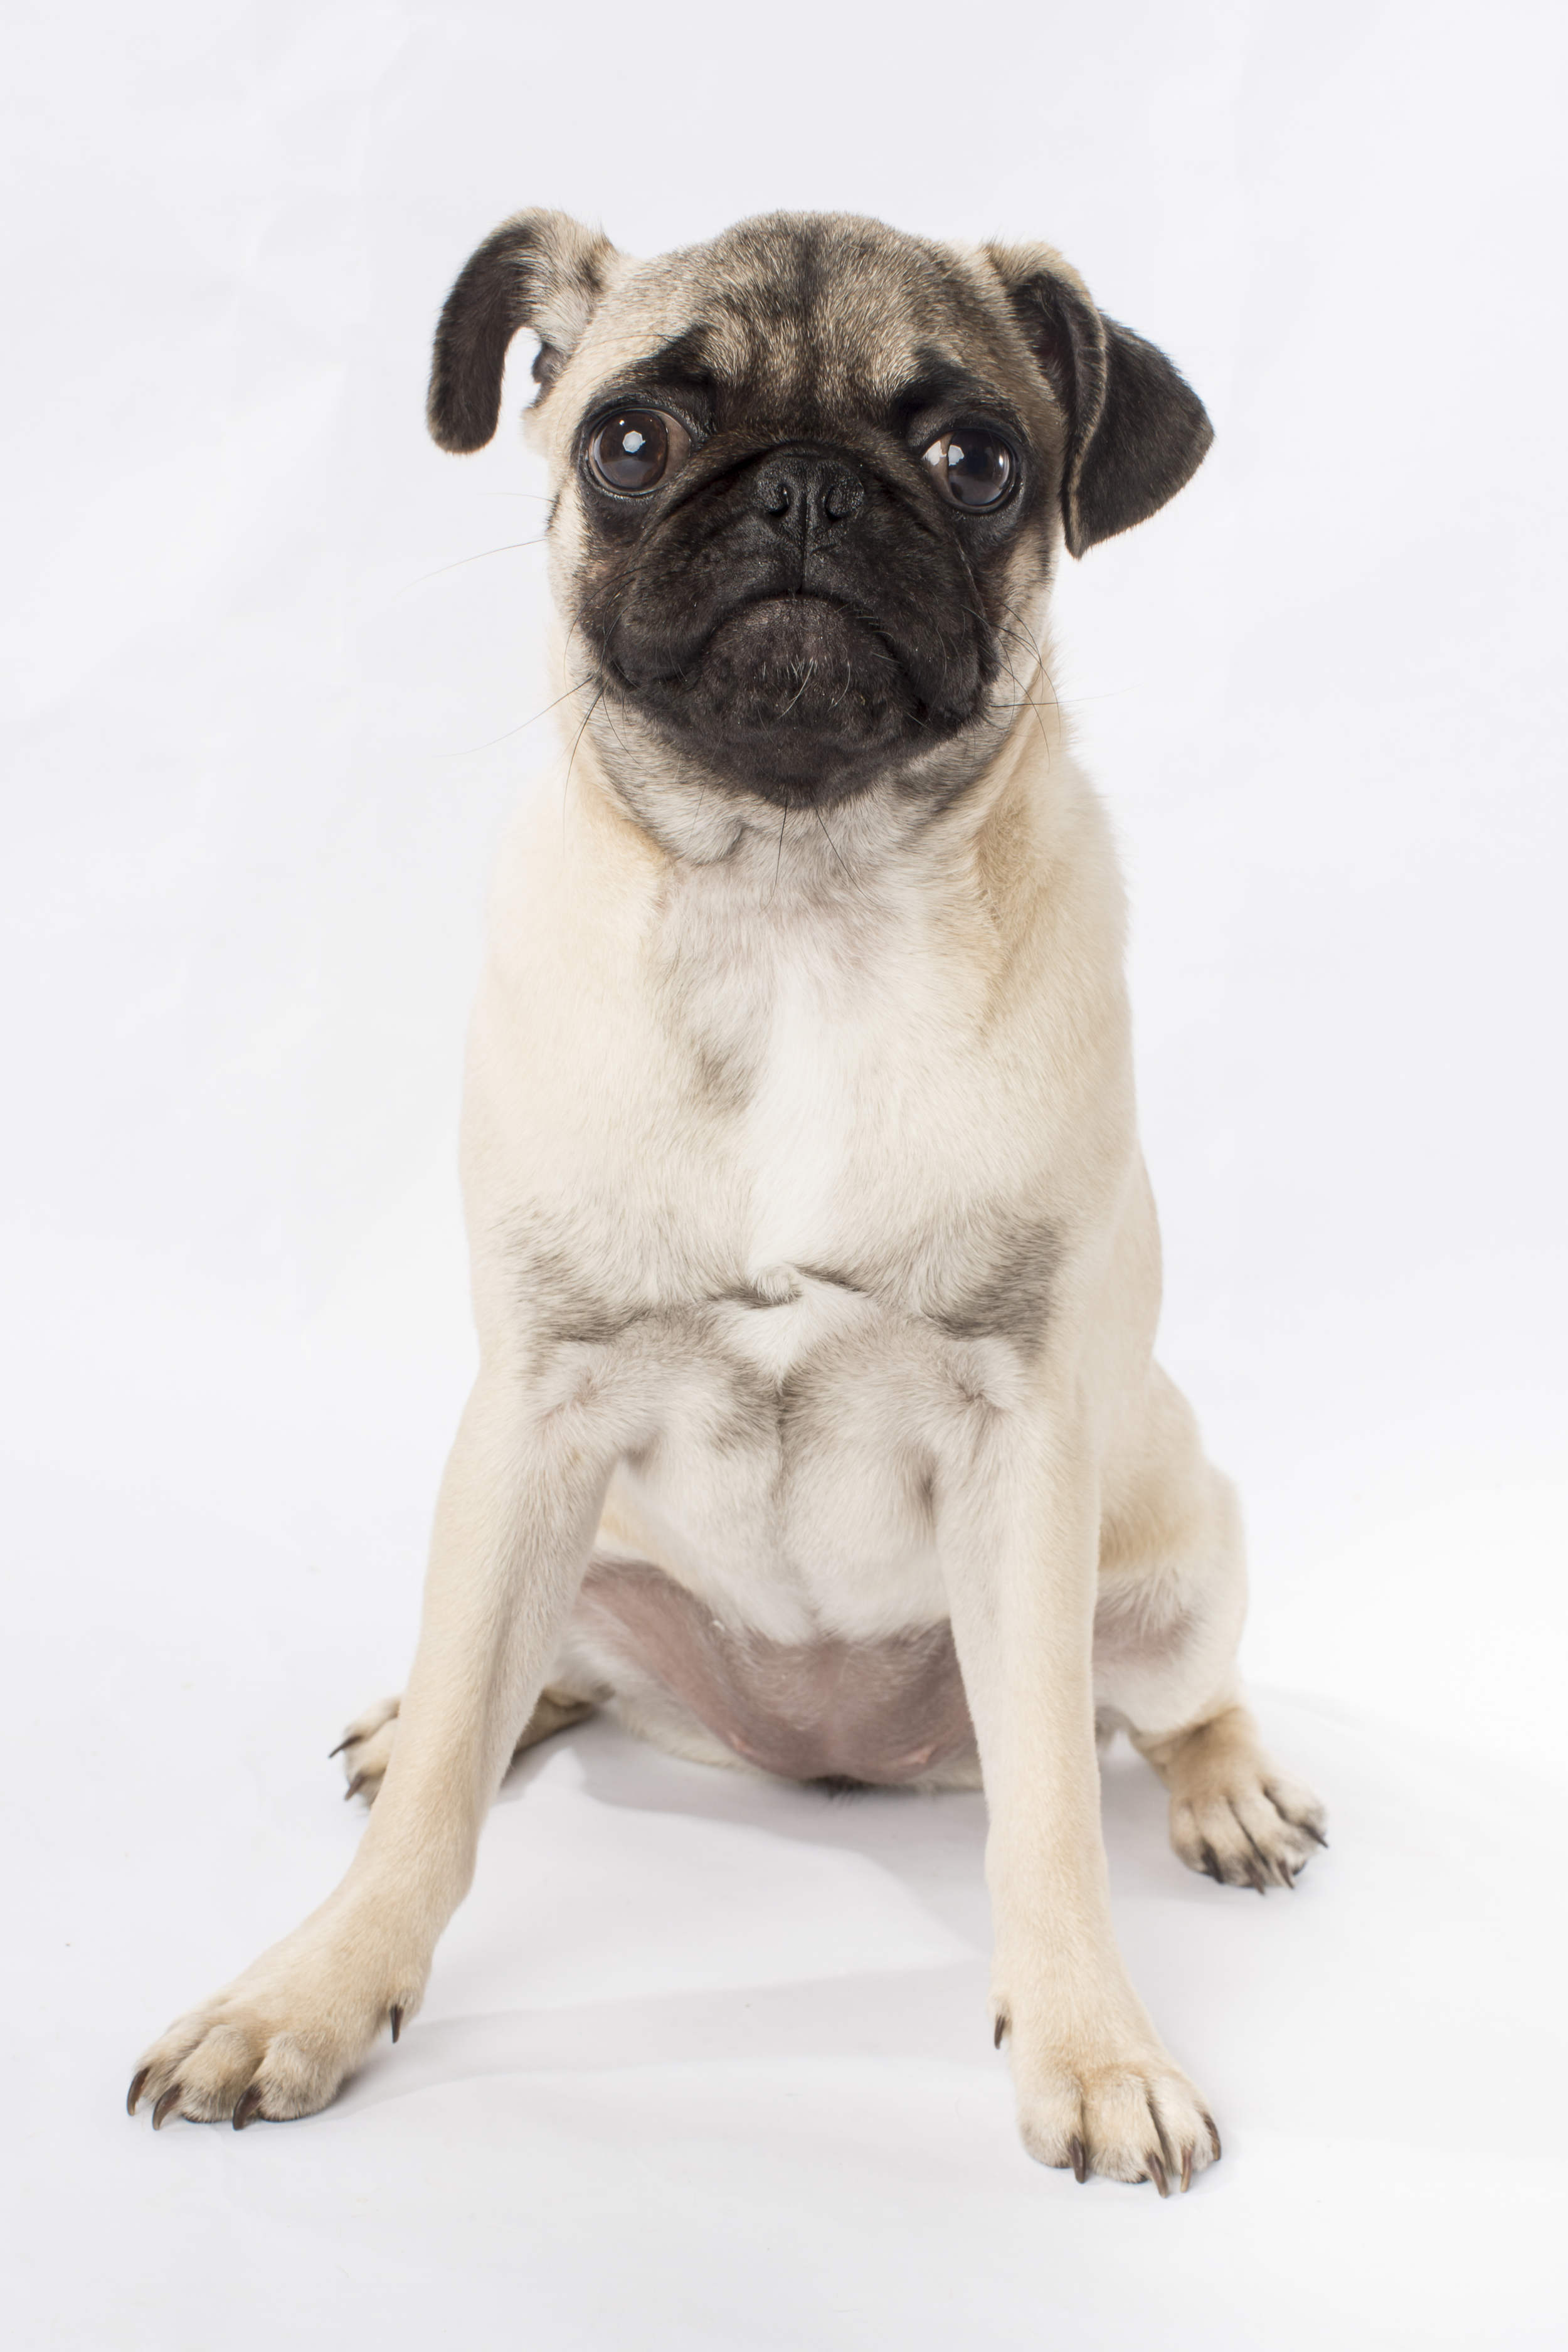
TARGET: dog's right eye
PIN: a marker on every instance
(635, 450)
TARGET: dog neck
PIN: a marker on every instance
(722, 914)
(914, 834)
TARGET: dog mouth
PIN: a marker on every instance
(800, 659)
(797, 693)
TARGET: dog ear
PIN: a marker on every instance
(539, 269)
(1137, 432)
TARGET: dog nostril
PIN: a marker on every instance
(803, 493)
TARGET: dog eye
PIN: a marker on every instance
(973, 468)
(635, 450)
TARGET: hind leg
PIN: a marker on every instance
(1236, 1815)
(366, 1747)
(1171, 1598)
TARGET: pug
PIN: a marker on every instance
(818, 1431)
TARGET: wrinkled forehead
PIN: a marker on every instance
(819, 313)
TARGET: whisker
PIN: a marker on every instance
(809, 673)
(512, 549)
(472, 749)
(822, 821)
(576, 740)
(1033, 643)
(1026, 701)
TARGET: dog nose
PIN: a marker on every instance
(804, 494)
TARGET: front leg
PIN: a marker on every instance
(1018, 1530)
(519, 1505)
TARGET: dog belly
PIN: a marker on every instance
(880, 1711)
(766, 1567)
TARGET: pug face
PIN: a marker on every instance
(810, 481)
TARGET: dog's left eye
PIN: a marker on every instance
(974, 469)
(637, 449)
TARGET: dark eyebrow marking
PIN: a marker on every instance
(677, 371)
(940, 382)
(685, 360)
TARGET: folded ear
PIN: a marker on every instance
(1137, 430)
(539, 269)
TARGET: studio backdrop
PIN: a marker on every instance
(275, 683)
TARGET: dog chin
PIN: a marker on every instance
(793, 698)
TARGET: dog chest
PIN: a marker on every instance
(851, 1101)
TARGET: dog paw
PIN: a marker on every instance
(1133, 2118)
(1258, 1827)
(366, 1748)
(1236, 1815)
(278, 2042)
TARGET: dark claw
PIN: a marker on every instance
(351, 1741)
(1080, 2160)
(1001, 2029)
(355, 1785)
(1213, 2138)
(1312, 1832)
(138, 2085)
(249, 2107)
(167, 2105)
(396, 2020)
(1210, 1866)
(1287, 1875)
(1157, 2174)
(1186, 2169)
(1258, 1868)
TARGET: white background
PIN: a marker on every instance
(702, 2064)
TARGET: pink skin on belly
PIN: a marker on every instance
(880, 1712)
